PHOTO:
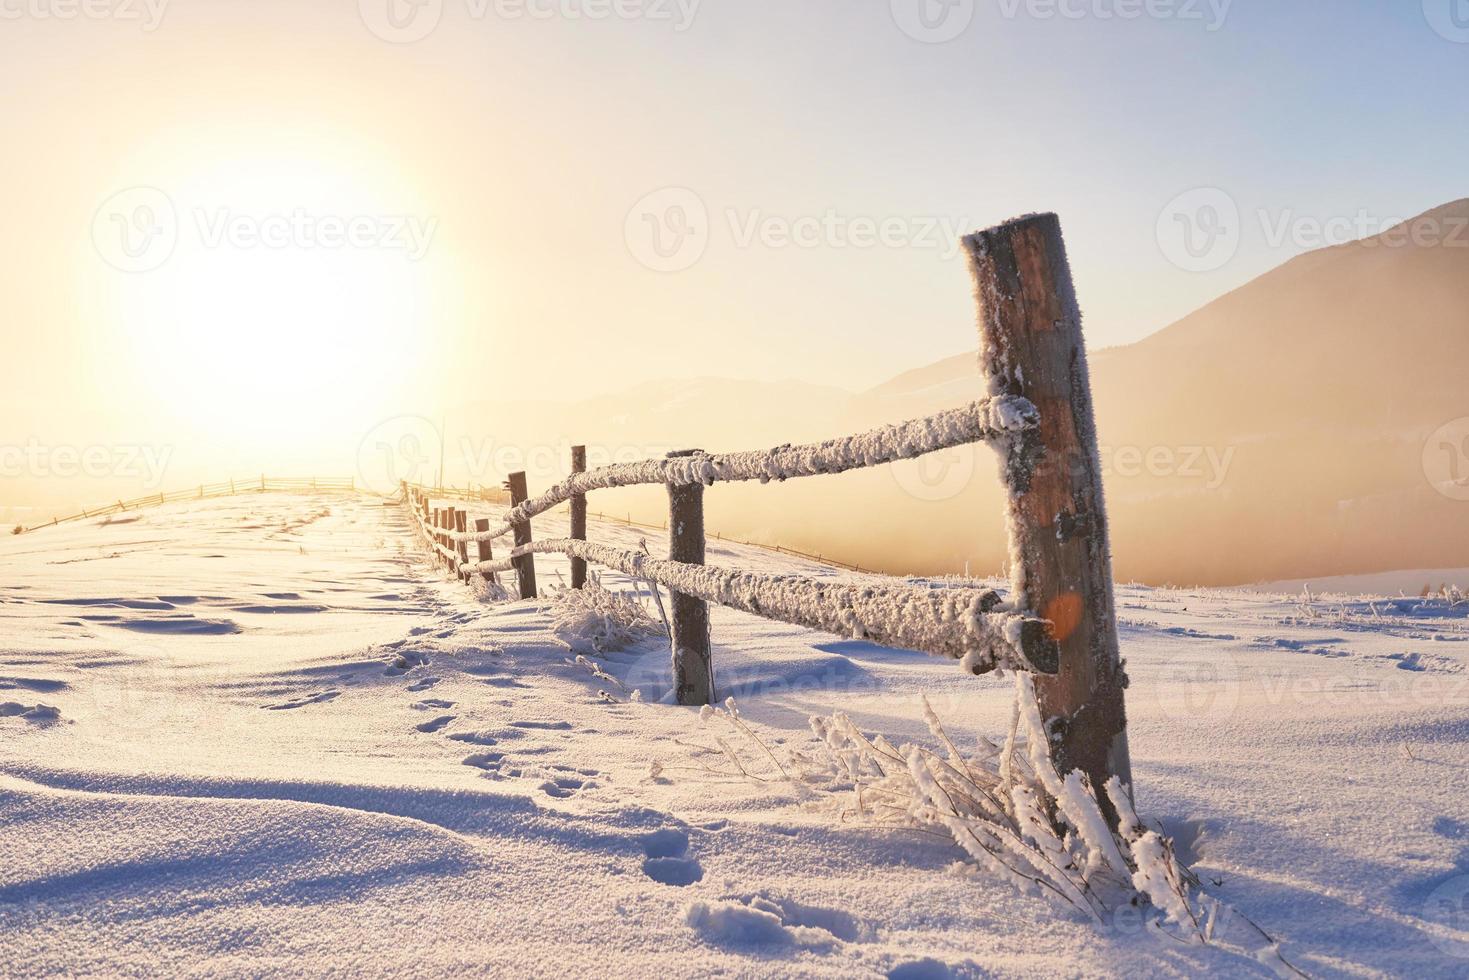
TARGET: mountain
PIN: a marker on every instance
(1292, 427)
(1295, 410)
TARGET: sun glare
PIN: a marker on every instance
(279, 297)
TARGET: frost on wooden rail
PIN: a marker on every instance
(988, 420)
(972, 626)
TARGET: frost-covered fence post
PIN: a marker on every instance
(1061, 566)
(578, 517)
(441, 537)
(525, 565)
(461, 524)
(693, 670)
(485, 553)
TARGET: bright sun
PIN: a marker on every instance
(286, 301)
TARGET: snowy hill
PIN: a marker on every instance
(266, 734)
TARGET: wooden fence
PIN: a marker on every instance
(1059, 620)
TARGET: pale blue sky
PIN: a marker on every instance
(529, 144)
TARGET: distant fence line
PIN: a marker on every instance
(273, 484)
(229, 488)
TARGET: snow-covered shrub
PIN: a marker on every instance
(489, 590)
(1017, 818)
(594, 619)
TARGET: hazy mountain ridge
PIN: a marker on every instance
(1293, 409)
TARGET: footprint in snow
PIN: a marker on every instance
(36, 714)
(667, 861)
(302, 702)
(760, 920)
(405, 662)
(504, 682)
(474, 738)
(563, 787)
(434, 724)
(423, 685)
(492, 765)
(429, 703)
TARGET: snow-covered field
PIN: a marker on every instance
(266, 734)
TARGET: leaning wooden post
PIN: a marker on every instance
(525, 565)
(693, 668)
(578, 518)
(485, 554)
(1031, 345)
(461, 523)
